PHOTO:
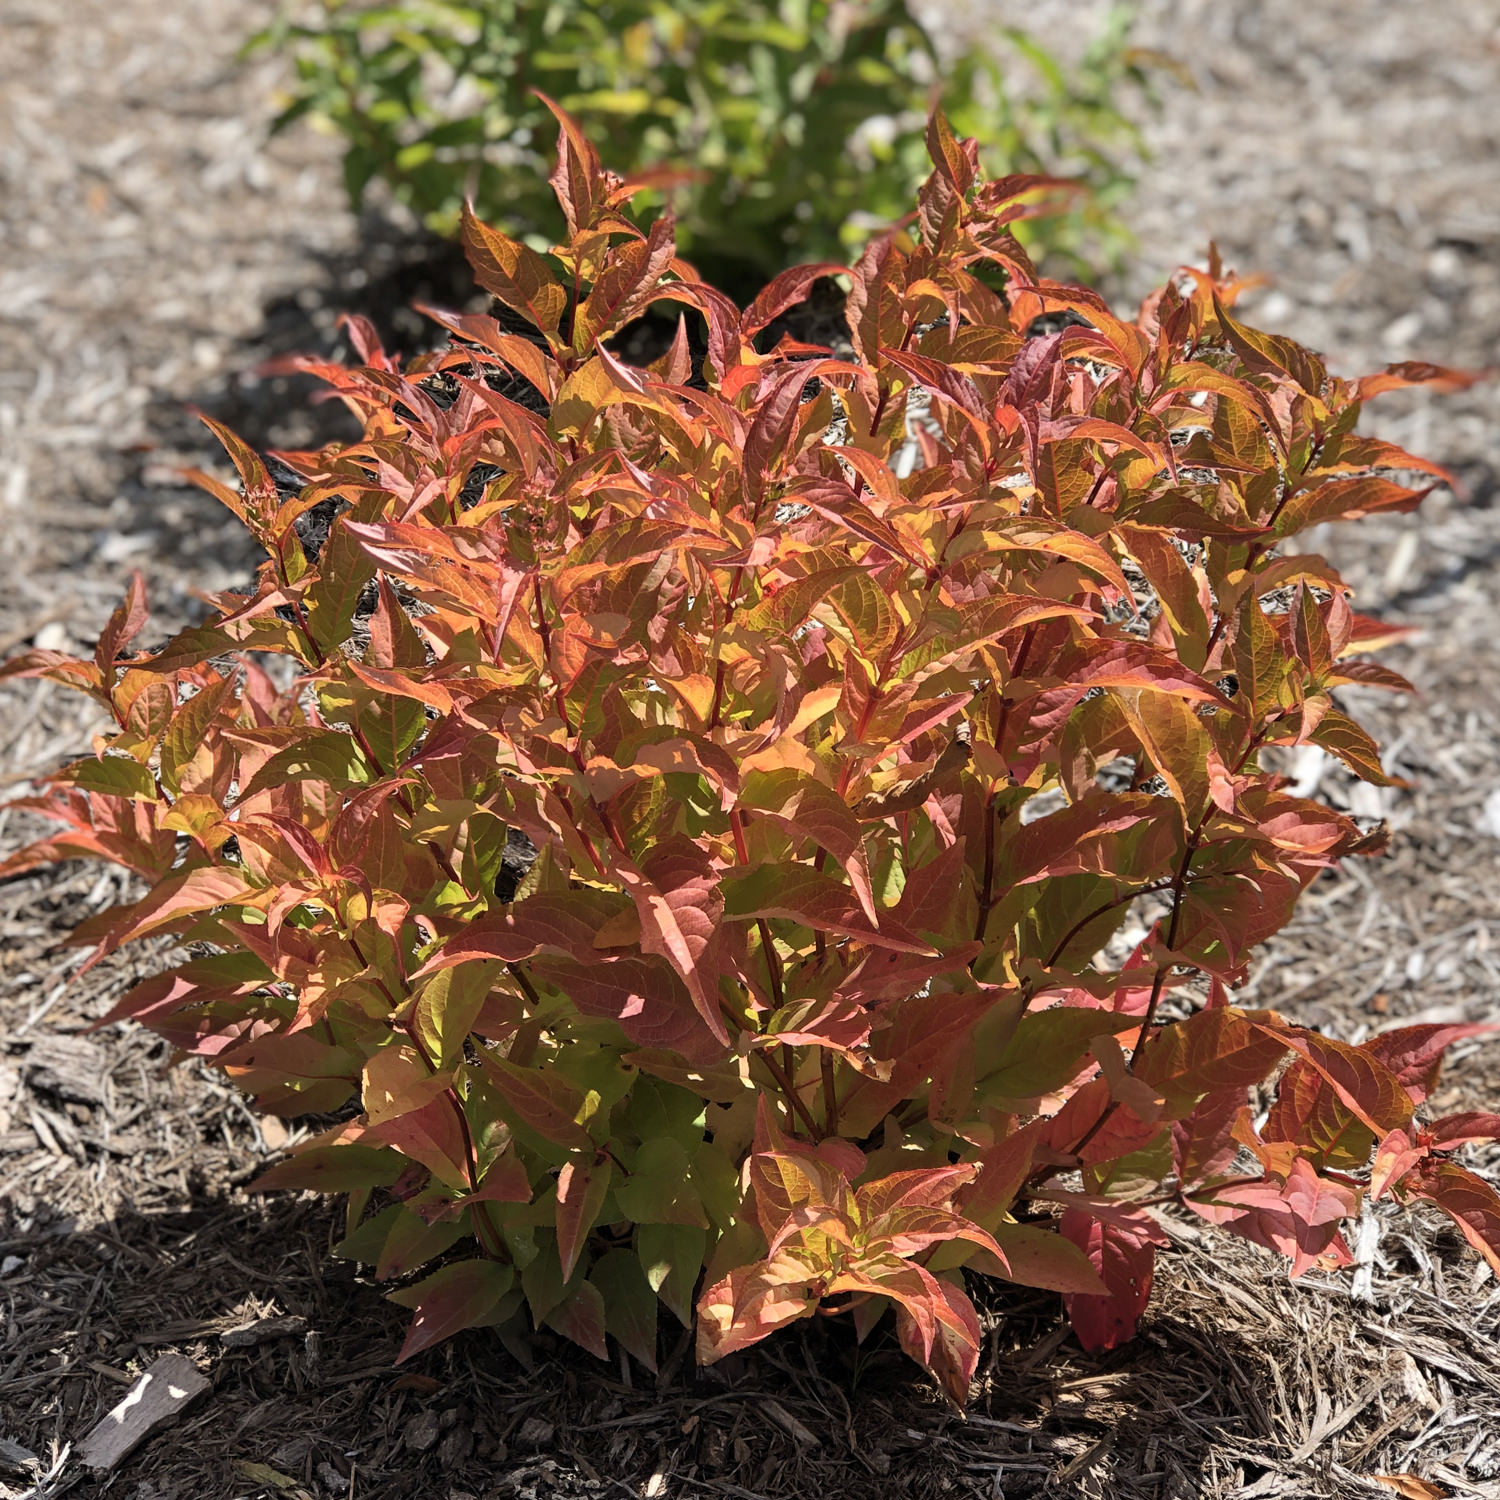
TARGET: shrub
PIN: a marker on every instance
(790, 130)
(849, 706)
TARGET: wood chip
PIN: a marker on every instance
(71, 1067)
(423, 1431)
(14, 1459)
(167, 1389)
(789, 1424)
(258, 1332)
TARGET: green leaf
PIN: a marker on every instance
(327, 755)
(112, 775)
(1047, 1050)
(344, 568)
(365, 1242)
(630, 1303)
(671, 1255)
(659, 1110)
(333, 1169)
(659, 1188)
(447, 1005)
(1042, 1257)
(1341, 736)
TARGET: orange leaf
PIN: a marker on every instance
(513, 272)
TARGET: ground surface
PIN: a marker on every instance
(155, 252)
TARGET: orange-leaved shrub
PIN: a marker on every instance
(689, 850)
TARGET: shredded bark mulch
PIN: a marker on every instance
(156, 252)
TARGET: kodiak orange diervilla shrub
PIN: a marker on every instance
(849, 702)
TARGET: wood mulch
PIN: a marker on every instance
(155, 253)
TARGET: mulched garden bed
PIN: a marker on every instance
(156, 253)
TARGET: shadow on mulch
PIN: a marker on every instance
(323, 1412)
(393, 271)
(190, 535)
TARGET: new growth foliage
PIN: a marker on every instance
(780, 661)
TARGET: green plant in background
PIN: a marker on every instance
(778, 130)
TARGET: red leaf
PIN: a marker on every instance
(722, 316)
(580, 1195)
(1416, 372)
(513, 272)
(187, 894)
(953, 1350)
(807, 806)
(1128, 664)
(214, 977)
(806, 895)
(921, 1187)
(1123, 1253)
(332, 1169)
(1211, 1050)
(941, 379)
(393, 641)
(949, 155)
(580, 1318)
(793, 1185)
(642, 993)
(548, 922)
(431, 1134)
(841, 1024)
(1346, 500)
(460, 1296)
(541, 1098)
(260, 504)
(1299, 1217)
(1459, 1130)
(1364, 1083)
(917, 1292)
(1003, 1169)
(1307, 1113)
(1395, 1156)
(783, 291)
(1469, 1201)
(676, 892)
(749, 1303)
(505, 1181)
(578, 179)
(772, 426)
(121, 628)
(626, 283)
(1415, 1053)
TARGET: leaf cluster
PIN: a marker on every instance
(682, 820)
(775, 131)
